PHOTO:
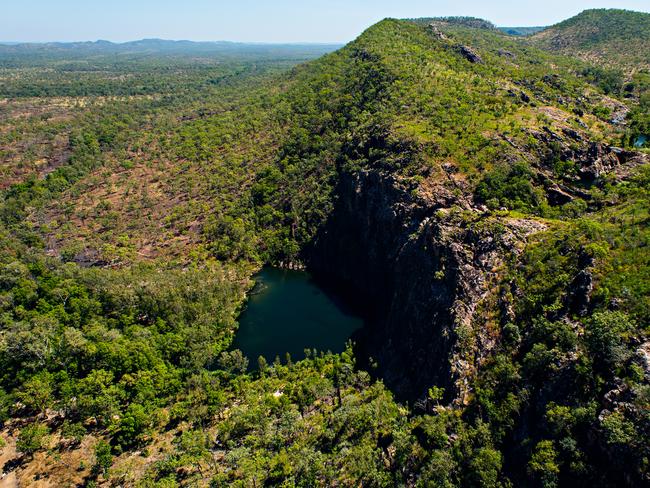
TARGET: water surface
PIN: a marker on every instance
(288, 312)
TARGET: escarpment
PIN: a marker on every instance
(429, 260)
(424, 268)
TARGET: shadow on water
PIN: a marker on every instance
(288, 312)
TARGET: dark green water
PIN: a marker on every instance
(288, 312)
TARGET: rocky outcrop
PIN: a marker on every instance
(470, 54)
(600, 159)
(558, 196)
(437, 32)
(506, 54)
(594, 159)
(425, 269)
(594, 163)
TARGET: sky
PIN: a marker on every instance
(328, 21)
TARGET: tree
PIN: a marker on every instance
(618, 430)
(32, 438)
(132, 425)
(5, 404)
(262, 364)
(436, 394)
(37, 392)
(606, 335)
(233, 361)
(543, 464)
(485, 465)
(103, 458)
(193, 445)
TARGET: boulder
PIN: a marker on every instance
(470, 54)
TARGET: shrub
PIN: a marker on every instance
(132, 426)
(511, 187)
(74, 431)
(606, 335)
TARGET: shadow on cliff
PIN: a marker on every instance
(373, 253)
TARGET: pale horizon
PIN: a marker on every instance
(259, 22)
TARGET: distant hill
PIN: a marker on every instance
(612, 36)
(477, 23)
(473, 22)
(521, 31)
(157, 45)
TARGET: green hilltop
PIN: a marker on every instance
(612, 36)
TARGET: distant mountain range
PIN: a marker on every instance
(158, 44)
(22, 54)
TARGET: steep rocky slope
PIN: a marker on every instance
(425, 268)
(434, 259)
(428, 254)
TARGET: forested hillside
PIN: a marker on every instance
(618, 38)
(481, 196)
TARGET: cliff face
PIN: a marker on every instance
(428, 263)
(423, 269)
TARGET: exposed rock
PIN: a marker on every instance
(552, 80)
(553, 136)
(523, 96)
(643, 353)
(470, 54)
(618, 117)
(573, 134)
(581, 124)
(581, 288)
(425, 271)
(594, 159)
(292, 265)
(614, 398)
(619, 110)
(557, 196)
(598, 160)
(439, 34)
